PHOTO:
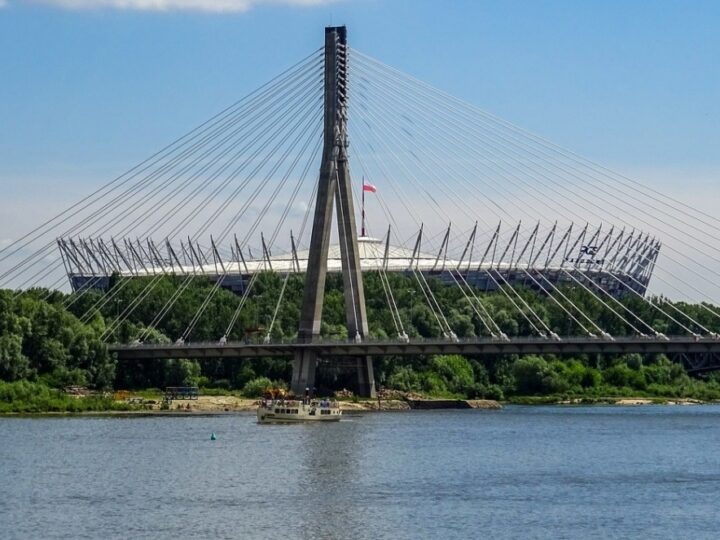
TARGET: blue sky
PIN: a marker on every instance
(89, 89)
(635, 85)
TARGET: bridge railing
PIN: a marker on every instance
(415, 340)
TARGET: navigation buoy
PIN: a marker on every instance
(212, 436)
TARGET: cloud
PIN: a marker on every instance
(238, 6)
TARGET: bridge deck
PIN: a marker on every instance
(570, 345)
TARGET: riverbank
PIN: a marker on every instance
(34, 398)
(220, 404)
(228, 404)
(625, 401)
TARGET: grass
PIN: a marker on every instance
(28, 397)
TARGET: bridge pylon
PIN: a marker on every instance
(334, 188)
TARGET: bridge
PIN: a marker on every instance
(446, 167)
(676, 345)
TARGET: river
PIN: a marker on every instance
(523, 472)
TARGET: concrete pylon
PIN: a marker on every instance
(334, 188)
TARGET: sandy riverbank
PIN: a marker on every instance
(217, 404)
(228, 404)
(629, 401)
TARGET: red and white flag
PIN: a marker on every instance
(369, 187)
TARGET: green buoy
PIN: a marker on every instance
(212, 436)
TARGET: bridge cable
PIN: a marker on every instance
(209, 221)
(92, 282)
(124, 178)
(550, 146)
(254, 226)
(405, 96)
(377, 120)
(133, 189)
(189, 278)
(173, 212)
(205, 202)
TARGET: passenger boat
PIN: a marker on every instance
(278, 410)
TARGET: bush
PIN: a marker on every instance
(591, 378)
(485, 391)
(223, 384)
(620, 375)
(454, 371)
(182, 372)
(27, 397)
(434, 384)
(532, 375)
(257, 387)
(62, 377)
(405, 379)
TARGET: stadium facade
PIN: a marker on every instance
(619, 262)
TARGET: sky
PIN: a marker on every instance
(88, 88)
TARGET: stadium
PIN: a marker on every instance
(618, 262)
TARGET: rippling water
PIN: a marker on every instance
(524, 472)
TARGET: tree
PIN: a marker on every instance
(14, 365)
(455, 372)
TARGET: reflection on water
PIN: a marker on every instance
(542, 472)
(328, 473)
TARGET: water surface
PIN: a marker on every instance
(524, 472)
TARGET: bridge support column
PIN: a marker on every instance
(365, 377)
(303, 376)
(334, 185)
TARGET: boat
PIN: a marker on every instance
(279, 410)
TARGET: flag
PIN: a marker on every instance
(369, 187)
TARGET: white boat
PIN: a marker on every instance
(294, 410)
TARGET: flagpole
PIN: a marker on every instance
(362, 229)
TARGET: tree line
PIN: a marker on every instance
(43, 341)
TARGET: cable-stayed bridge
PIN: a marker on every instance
(457, 195)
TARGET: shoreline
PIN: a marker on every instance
(227, 405)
